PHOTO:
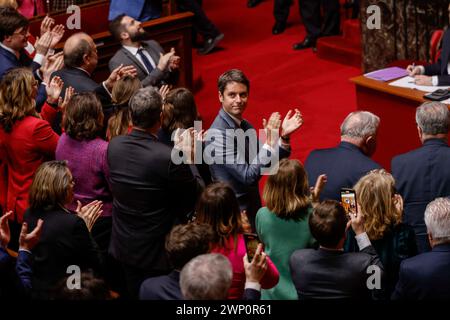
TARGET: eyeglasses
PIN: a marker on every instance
(24, 32)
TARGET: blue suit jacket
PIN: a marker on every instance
(440, 67)
(141, 10)
(425, 276)
(162, 288)
(9, 61)
(343, 165)
(23, 268)
(421, 176)
(243, 177)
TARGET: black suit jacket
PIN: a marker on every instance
(151, 193)
(323, 274)
(343, 165)
(64, 241)
(162, 288)
(421, 176)
(425, 276)
(440, 68)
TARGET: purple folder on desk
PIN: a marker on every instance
(387, 74)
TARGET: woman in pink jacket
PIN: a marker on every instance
(219, 208)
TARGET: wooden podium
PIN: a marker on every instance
(396, 108)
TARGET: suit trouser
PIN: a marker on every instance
(200, 21)
(310, 13)
(281, 10)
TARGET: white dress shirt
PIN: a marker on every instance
(134, 52)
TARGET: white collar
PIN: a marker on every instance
(9, 49)
(133, 50)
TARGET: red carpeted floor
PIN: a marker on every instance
(280, 77)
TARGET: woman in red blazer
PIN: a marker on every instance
(26, 137)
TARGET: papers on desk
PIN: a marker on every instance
(408, 82)
(387, 74)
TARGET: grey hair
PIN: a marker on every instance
(360, 124)
(145, 107)
(206, 277)
(433, 118)
(437, 219)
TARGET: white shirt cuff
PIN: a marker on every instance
(104, 86)
(20, 249)
(363, 241)
(269, 148)
(435, 81)
(39, 58)
(422, 69)
(252, 285)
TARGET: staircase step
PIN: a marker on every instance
(352, 30)
(340, 50)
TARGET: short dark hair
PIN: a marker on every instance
(74, 58)
(145, 107)
(83, 116)
(10, 21)
(91, 288)
(233, 75)
(116, 27)
(187, 241)
(328, 222)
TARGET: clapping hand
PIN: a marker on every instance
(90, 212)
(46, 24)
(52, 64)
(62, 104)
(5, 234)
(27, 241)
(164, 90)
(57, 33)
(164, 59)
(272, 128)
(291, 123)
(118, 73)
(54, 89)
(184, 140)
(318, 187)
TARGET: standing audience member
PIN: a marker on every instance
(424, 174)
(329, 272)
(65, 239)
(219, 208)
(183, 243)
(345, 164)
(426, 276)
(283, 224)
(144, 182)
(381, 208)
(141, 10)
(26, 139)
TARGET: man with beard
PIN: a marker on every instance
(154, 67)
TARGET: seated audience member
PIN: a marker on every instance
(141, 10)
(283, 224)
(154, 67)
(183, 243)
(426, 275)
(26, 139)
(201, 25)
(435, 74)
(206, 277)
(381, 209)
(350, 160)
(219, 208)
(85, 153)
(329, 272)
(119, 122)
(18, 282)
(424, 174)
(151, 193)
(90, 288)
(65, 238)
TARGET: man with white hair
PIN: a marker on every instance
(424, 174)
(427, 275)
(350, 160)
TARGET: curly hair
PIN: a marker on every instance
(16, 97)
(375, 193)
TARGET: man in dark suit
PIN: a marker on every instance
(310, 10)
(154, 67)
(184, 243)
(150, 192)
(329, 272)
(345, 164)
(424, 174)
(243, 164)
(426, 276)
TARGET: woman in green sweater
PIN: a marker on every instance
(283, 224)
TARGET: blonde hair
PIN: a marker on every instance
(375, 194)
(16, 97)
(9, 4)
(122, 91)
(286, 192)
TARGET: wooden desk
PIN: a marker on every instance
(396, 108)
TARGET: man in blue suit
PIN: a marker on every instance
(424, 174)
(241, 165)
(141, 10)
(426, 276)
(345, 164)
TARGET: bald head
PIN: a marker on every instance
(80, 51)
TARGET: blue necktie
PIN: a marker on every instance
(144, 58)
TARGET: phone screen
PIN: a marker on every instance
(348, 199)
(251, 244)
